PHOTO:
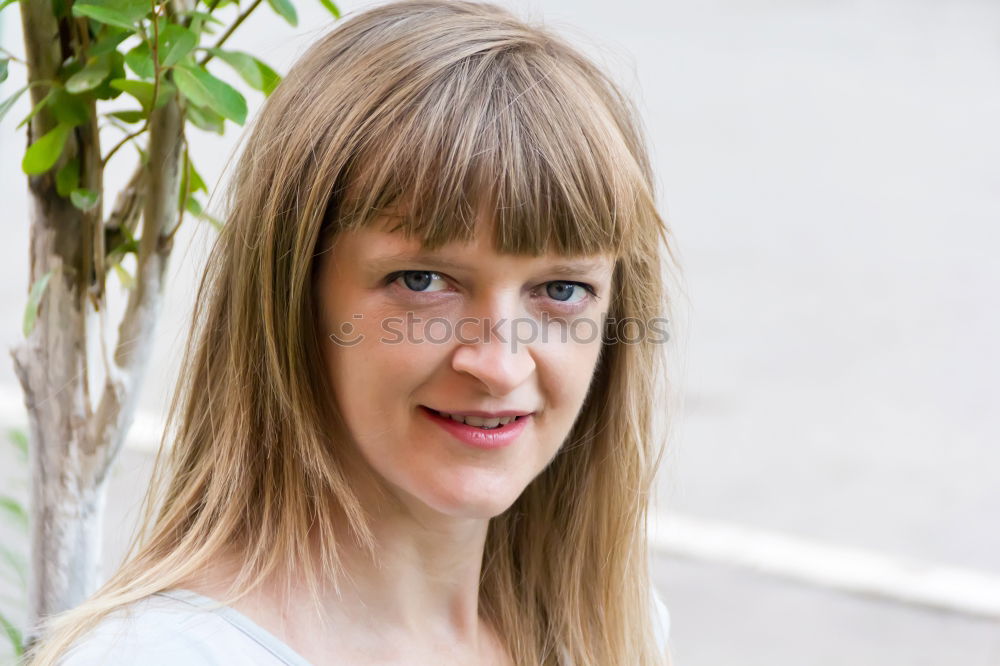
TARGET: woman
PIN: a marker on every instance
(410, 428)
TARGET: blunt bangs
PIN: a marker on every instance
(504, 131)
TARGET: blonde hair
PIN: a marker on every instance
(448, 106)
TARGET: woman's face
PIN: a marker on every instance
(459, 330)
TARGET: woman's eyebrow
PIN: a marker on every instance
(570, 267)
(420, 258)
(579, 267)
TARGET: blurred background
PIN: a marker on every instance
(830, 171)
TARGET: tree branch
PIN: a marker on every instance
(107, 158)
(230, 30)
(128, 207)
(117, 403)
(42, 56)
(12, 56)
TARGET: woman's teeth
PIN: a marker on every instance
(479, 422)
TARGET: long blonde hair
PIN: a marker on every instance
(448, 106)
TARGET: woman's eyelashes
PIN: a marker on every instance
(417, 281)
(565, 294)
(570, 293)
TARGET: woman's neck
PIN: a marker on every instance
(419, 598)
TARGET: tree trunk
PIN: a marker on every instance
(72, 444)
(51, 367)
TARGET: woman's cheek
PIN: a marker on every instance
(578, 365)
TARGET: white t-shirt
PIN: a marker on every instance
(180, 626)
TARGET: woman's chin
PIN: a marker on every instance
(480, 503)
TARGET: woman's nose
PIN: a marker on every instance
(496, 350)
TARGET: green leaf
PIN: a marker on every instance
(254, 72)
(69, 67)
(31, 309)
(206, 119)
(36, 108)
(140, 61)
(193, 206)
(3, 69)
(13, 509)
(4, 3)
(143, 91)
(191, 180)
(164, 93)
(201, 16)
(19, 440)
(109, 40)
(89, 77)
(13, 635)
(196, 184)
(44, 152)
(330, 7)
(175, 42)
(121, 13)
(285, 10)
(68, 109)
(130, 244)
(271, 78)
(84, 199)
(203, 89)
(123, 276)
(10, 101)
(105, 15)
(68, 177)
(129, 116)
(105, 91)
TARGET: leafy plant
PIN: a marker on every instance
(143, 72)
(150, 53)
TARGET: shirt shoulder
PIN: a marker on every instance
(160, 630)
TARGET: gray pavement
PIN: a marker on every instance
(723, 617)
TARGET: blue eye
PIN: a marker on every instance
(571, 293)
(564, 291)
(415, 280)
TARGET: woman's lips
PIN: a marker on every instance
(492, 438)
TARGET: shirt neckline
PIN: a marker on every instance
(251, 629)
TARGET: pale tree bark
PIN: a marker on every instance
(74, 443)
